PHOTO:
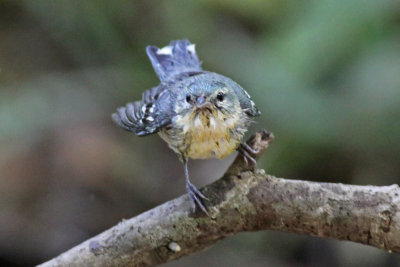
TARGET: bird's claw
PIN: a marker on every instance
(195, 197)
(244, 149)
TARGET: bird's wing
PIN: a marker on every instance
(148, 115)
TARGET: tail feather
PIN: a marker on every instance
(178, 57)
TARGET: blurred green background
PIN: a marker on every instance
(325, 74)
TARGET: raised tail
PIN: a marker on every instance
(176, 58)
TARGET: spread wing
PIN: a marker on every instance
(148, 115)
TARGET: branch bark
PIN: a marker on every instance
(246, 199)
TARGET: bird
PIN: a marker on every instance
(200, 114)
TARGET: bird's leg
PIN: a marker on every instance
(194, 193)
(244, 149)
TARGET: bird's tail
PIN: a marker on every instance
(178, 57)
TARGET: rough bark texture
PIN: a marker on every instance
(246, 200)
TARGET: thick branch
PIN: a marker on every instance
(246, 200)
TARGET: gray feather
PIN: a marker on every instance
(176, 58)
(178, 68)
(246, 103)
(146, 116)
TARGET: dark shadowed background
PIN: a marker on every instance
(325, 74)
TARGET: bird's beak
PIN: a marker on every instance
(203, 104)
(200, 102)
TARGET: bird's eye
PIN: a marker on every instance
(220, 96)
(188, 98)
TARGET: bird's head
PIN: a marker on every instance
(208, 98)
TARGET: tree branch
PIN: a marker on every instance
(246, 199)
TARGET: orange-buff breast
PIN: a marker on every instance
(210, 137)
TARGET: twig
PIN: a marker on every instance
(246, 200)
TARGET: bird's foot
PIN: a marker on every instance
(196, 197)
(245, 150)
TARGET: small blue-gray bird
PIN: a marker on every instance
(200, 114)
